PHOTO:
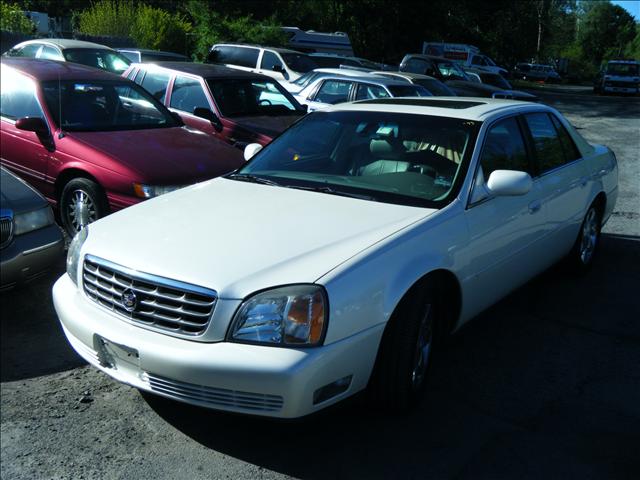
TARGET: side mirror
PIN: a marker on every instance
(277, 68)
(509, 183)
(207, 114)
(33, 124)
(250, 150)
(177, 118)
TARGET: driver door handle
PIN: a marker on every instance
(535, 206)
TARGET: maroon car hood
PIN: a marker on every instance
(175, 155)
(270, 126)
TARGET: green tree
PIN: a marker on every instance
(13, 19)
(605, 31)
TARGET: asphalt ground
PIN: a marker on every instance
(545, 384)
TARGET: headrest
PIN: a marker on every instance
(385, 149)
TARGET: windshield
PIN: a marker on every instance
(622, 69)
(244, 97)
(388, 157)
(409, 91)
(99, 58)
(95, 106)
(299, 62)
(304, 80)
(451, 71)
(496, 80)
(436, 87)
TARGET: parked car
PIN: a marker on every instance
(466, 55)
(76, 51)
(403, 219)
(536, 72)
(30, 240)
(433, 85)
(335, 89)
(489, 78)
(306, 79)
(92, 142)
(278, 63)
(454, 77)
(328, 60)
(236, 106)
(141, 55)
(618, 76)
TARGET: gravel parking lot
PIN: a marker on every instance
(545, 384)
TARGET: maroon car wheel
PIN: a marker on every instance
(82, 202)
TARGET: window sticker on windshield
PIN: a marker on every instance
(81, 87)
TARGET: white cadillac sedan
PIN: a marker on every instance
(338, 256)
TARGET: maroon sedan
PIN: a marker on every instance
(93, 142)
(236, 106)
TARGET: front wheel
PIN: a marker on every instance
(584, 250)
(82, 201)
(405, 352)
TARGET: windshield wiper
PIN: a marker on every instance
(332, 191)
(247, 177)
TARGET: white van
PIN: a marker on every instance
(467, 55)
(278, 63)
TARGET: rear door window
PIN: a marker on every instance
(571, 152)
(50, 53)
(188, 94)
(366, 91)
(156, 84)
(547, 145)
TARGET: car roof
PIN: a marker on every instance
(206, 70)
(368, 78)
(148, 50)
(428, 57)
(349, 72)
(411, 75)
(44, 70)
(468, 108)
(275, 49)
(65, 43)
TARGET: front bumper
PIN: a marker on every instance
(618, 89)
(260, 380)
(29, 256)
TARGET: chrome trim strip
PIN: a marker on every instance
(43, 247)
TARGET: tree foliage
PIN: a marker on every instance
(147, 26)
(13, 19)
(605, 31)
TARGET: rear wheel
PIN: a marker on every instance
(82, 201)
(584, 250)
(406, 352)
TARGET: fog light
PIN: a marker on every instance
(331, 390)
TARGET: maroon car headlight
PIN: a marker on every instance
(149, 191)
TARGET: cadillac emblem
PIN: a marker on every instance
(129, 300)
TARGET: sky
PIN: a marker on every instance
(631, 6)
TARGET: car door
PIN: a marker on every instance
(505, 232)
(22, 151)
(562, 178)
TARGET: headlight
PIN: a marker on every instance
(288, 316)
(73, 255)
(149, 191)
(27, 222)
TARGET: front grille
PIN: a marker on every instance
(6, 228)
(214, 397)
(152, 301)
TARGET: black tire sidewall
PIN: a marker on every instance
(92, 189)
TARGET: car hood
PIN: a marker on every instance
(238, 238)
(270, 126)
(17, 195)
(165, 156)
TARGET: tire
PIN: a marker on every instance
(406, 352)
(82, 201)
(582, 254)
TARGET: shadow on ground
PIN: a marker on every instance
(32, 342)
(545, 384)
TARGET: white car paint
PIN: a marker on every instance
(239, 238)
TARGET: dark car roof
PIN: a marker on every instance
(206, 70)
(44, 70)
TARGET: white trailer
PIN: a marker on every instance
(467, 55)
(311, 41)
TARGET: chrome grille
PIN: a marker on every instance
(160, 303)
(6, 227)
(214, 397)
